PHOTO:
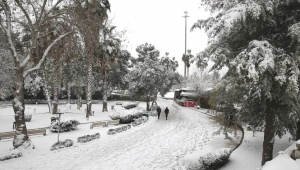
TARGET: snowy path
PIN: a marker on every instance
(158, 144)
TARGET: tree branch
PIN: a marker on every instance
(42, 10)
(46, 14)
(25, 62)
(26, 15)
(45, 54)
(8, 32)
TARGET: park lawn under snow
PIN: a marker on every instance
(156, 144)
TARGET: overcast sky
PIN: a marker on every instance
(160, 23)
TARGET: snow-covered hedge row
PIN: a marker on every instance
(118, 130)
(87, 138)
(124, 128)
(215, 159)
(64, 126)
(15, 153)
(28, 118)
(127, 116)
(139, 121)
(210, 161)
(63, 144)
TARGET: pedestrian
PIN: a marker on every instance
(166, 112)
(158, 111)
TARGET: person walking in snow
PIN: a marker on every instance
(158, 111)
(166, 112)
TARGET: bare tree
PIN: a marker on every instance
(42, 12)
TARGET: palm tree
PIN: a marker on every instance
(90, 16)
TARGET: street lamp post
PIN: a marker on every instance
(185, 41)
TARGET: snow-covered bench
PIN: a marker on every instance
(114, 122)
(104, 123)
(98, 124)
(31, 132)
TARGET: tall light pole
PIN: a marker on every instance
(185, 41)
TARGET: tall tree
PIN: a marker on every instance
(251, 38)
(151, 74)
(188, 59)
(91, 16)
(109, 51)
(41, 12)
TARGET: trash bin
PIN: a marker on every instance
(147, 115)
(53, 119)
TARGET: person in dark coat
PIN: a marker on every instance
(166, 112)
(158, 111)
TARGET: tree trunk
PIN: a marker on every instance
(56, 87)
(148, 103)
(69, 93)
(46, 91)
(184, 70)
(269, 133)
(298, 131)
(89, 86)
(104, 108)
(187, 72)
(21, 137)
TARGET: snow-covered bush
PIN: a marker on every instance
(111, 131)
(127, 116)
(87, 138)
(64, 126)
(139, 121)
(215, 159)
(63, 144)
(28, 118)
(129, 105)
(118, 130)
(15, 153)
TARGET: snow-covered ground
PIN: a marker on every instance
(156, 144)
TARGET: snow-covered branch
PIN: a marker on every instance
(45, 54)
(24, 63)
(7, 30)
(58, 2)
(26, 15)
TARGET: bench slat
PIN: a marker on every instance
(30, 132)
(114, 122)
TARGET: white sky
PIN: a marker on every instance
(160, 23)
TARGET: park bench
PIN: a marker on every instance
(114, 122)
(98, 124)
(31, 132)
(104, 123)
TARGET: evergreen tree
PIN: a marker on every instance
(253, 39)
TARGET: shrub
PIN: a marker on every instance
(139, 121)
(118, 130)
(111, 132)
(28, 118)
(215, 159)
(15, 153)
(127, 116)
(63, 144)
(64, 126)
(87, 138)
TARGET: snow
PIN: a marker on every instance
(282, 161)
(156, 144)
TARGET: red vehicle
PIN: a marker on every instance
(190, 104)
